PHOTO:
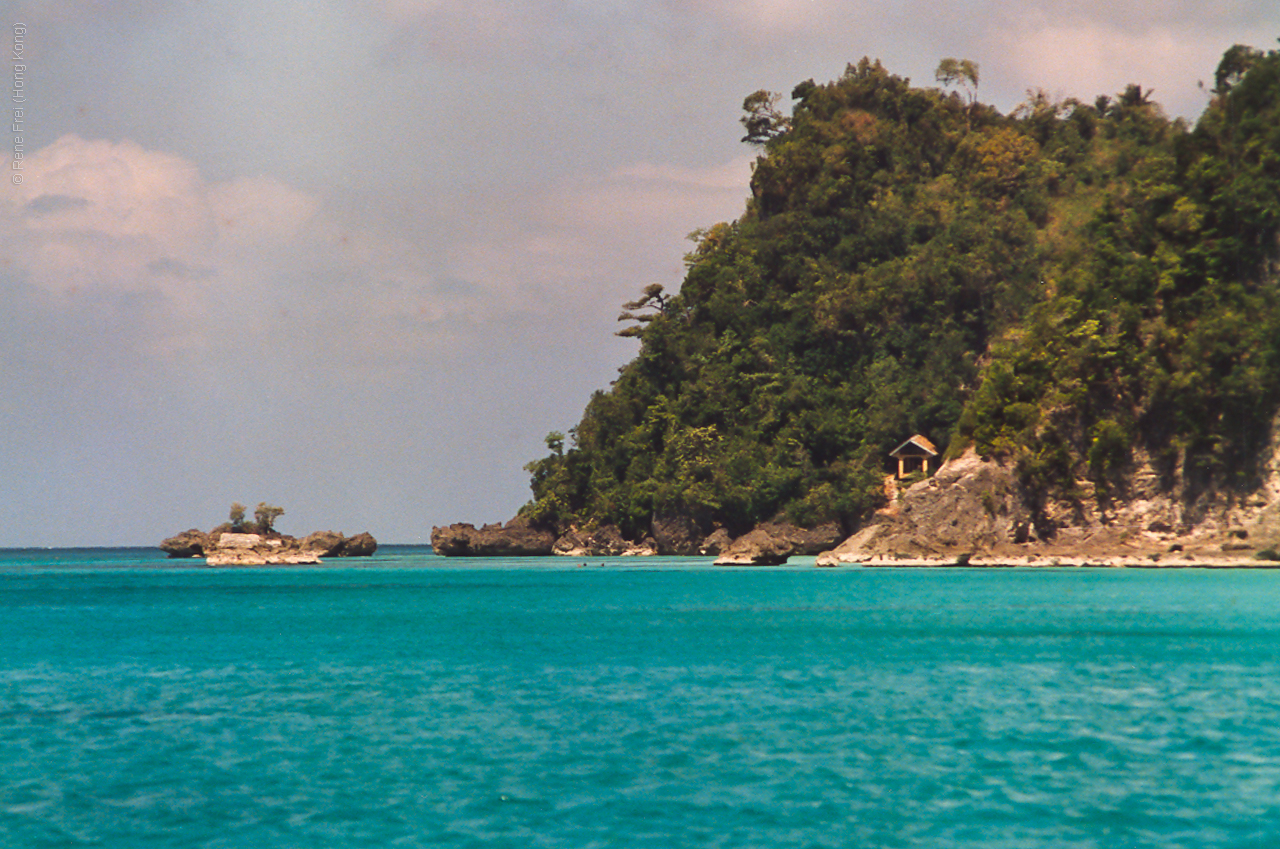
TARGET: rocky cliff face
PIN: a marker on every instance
(974, 511)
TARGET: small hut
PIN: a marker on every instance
(914, 454)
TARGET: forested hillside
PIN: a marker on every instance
(1069, 286)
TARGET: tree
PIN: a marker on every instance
(962, 72)
(763, 119)
(1235, 63)
(237, 515)
(265, 515)
(653, 299)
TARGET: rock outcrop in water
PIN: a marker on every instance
(516, 538)
(225, 546)
(773, 543)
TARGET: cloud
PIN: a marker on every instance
(94, 214)
(187, 264)
(102, 218)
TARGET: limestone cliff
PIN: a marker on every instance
(974, 511)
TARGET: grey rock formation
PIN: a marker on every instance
(226, 547)
(974, 512)
(970, 505)
(716, 543)
(757, 547)
(677, 534)
(773, 542)
(189, 543)
(325, 543)
(515, 539)
(361, 545)
(606, 541)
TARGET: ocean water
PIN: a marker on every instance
(412, 701)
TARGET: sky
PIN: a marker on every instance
(356, 258)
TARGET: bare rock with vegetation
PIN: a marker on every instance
(238, 542)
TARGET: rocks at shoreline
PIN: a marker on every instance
(189, 543)
(256, 550)
(224, 546)
(604, 542)
(773, 543)
(770, 543)
(673, 535)
(972, 511)
(517, 538)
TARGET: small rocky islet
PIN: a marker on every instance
(238, 542)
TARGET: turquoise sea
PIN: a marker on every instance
(412, 701)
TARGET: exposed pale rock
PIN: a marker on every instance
(228, 541)
(260, 556)
(973, 512)
(234, 549)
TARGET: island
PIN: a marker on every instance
(238, 542)
(940, 333)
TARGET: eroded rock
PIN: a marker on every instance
(189, 543)
(606, 541)
(677, 534)
(361, 545)
(515, 539)
(773, 543)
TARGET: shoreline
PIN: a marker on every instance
(1126, 561)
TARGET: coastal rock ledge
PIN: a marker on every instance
(973, 512)
(770, 543)
(516, 538)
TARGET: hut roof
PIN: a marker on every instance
(914, 446)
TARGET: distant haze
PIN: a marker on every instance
(357, 258)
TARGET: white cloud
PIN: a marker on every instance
(96, 217)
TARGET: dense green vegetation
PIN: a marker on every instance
(1072, 285)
